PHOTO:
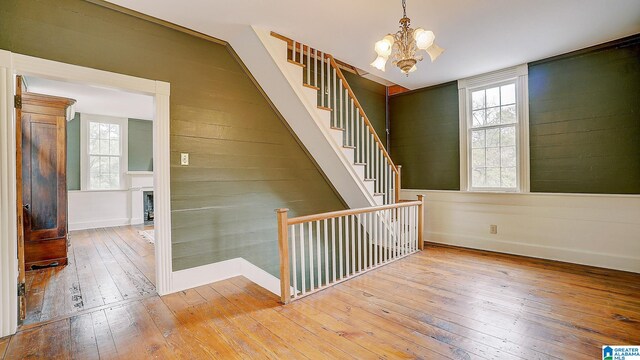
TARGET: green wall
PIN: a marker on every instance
(424, 137)
(140, 145)
(73, 153)
(584, 125)
(584, 115)
(372, 97)
(244, 160)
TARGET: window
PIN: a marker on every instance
(494, 131)
(103, 152)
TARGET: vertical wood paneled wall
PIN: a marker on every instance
(244, 160)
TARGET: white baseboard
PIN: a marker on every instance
(210, 273)
(575, 256)
(99, 224)
(136, 221)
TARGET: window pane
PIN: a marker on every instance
(508, 114)
(114, 165)
(104, 131)
(478, 118)
(94, 146)
(477, 100)
(508, 136)
(113, 181)
(114, 147)
(114, 132)
(493, 177)
(508, 94)
(493, 157)
(104, 165)
(508, 156)
(94, 130)
(509, 177)
(477, 139)
(493, 137)
(493, 97)
(477, 157)
(104, 147)
(478, 177)
(493, 116)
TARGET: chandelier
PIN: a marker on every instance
(404, 44)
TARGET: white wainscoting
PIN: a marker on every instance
(597, 230)
(105, 208)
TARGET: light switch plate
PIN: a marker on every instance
(184, 159)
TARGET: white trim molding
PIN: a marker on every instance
(12, 64)
(518, 74)
(210, 273)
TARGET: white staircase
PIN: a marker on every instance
(332, 126)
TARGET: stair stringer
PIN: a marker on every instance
(265, 57)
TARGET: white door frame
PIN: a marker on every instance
(12, 64)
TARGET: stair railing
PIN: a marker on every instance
(322, 72)
(322, 250)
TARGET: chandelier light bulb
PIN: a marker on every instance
(434, 51)
(424, 38)
(383, 47)
(379, 63)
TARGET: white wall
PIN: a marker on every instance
(598, 230)
(92, 209)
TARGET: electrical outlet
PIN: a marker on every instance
(184, 159)
(493, 229)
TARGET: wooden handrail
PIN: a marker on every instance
(361, 111)
(335, 214)
(337, 65)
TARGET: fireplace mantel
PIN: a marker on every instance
(139, 182)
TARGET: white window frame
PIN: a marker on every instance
(518, 75)
(85, 182)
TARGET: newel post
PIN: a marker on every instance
(398, 182)
(421, 222)
(283, 246)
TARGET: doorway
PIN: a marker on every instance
(85, 174)
(115, 242)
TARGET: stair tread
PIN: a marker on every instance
(311, 86)
(296, 63)
(324, 108)
(348, 146)
(335, 128)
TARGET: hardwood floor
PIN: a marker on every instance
(106, 266)
(443, 303)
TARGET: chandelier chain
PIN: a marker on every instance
(404, 8)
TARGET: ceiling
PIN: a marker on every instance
(96, 100)
(478, 35)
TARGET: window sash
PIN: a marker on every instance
(97, 177)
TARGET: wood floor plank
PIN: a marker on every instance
(437, 304)
(134, 282)
(204, 335)
(83, 339)
(178, 337)
(310, 323)
(300, 338)
(4, 344)
(273, 344)
(104, 339)
(566, 310)
(35, 295)
(89, 286)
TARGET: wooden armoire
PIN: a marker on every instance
(42, 183)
